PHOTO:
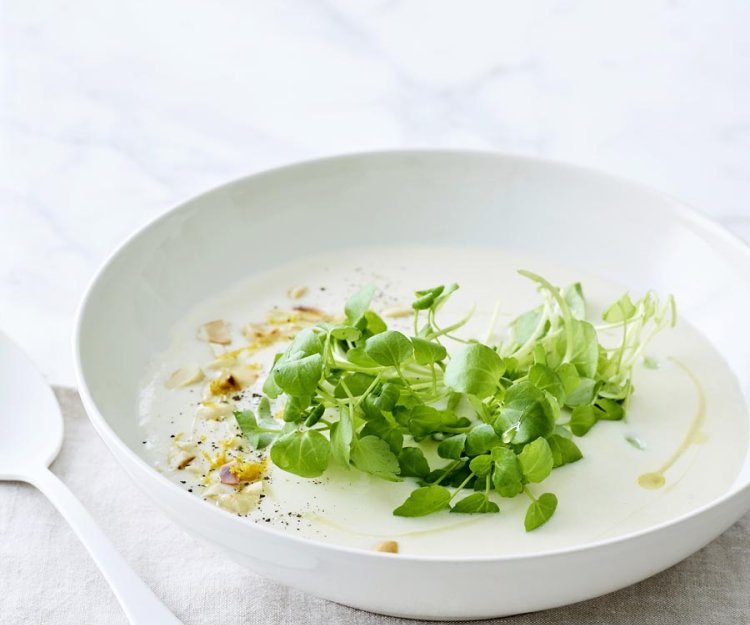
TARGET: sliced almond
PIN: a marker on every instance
(215, 332)
(297, 292)
(184, 377)
(225, 385)
(388, 546)
(214, 410)
(394, 312)
(245, 375)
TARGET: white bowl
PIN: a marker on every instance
(579, 218)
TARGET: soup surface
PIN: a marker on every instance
(682, 444)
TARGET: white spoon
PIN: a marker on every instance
(31, 433)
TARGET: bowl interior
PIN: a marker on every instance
(575, 217)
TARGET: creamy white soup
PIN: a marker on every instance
(681, 445)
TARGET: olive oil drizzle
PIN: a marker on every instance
(694, 436)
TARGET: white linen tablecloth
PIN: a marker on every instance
(46, 576)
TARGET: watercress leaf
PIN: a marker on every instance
(314, 415)
(609, 409)
(620, 310)
(585, 347)
(345, 333)
(564, 450)
(426, 298)
(452, 447)
(507, 476)
(382, 398)
(373, 455)
(389, 348)
(480, 439)
(295, 407)
(424, 501)
(304, 453)
(536, 460)
(342, 434)
(475, 370)
(569, 377)
(481, 465)
(546, 379)
(584, 393)
(255, 433)
(305, 343)
(357, 356)
(357, 383)
(358, 304)
(573, 296)
(299, 376)
(427, 352)
(413, 463)
(540, 511)
(583, 418)
(525, 415)
(372, 323)
(477, 503)
(424, 420)
(270, 388)
(523, 327)
(264, 411)
(382, 428)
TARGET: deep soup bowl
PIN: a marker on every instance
(579, 218)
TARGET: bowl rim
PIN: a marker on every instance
(680, 211)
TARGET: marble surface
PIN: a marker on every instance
(110, 113)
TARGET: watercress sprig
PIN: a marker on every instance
(469, 425)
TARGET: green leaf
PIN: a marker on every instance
(356, 383)
(573, 295)
(381, 399)
(295, 408)
(426, 298)
(507, 477)
(342, 434)
(428, 352)
(452, 448)
(621, 310)
(345, 333)
(610, 410)
(481, 465)
(413, 463)
(569, 377)
(389, 348)
(523, 327)
(256, 433)
(526, 413)
(424, 501)
(583, 418)
(585, 347)
(383, 428)
(299, 377)
(583, 394)
(545, 379)
(357, 356)
(477, 503)
(305, 343)
(480, 439)
(475, 370)
(358, 304)
(536, 460)
(303, 453)
(424, 420)
(564, 450)
(540, 511)
(373, 455)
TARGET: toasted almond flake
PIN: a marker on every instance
(186, 460)
(245, 375)
(225, 385)
(184, 377)
(388, 546)
(297, 292)
(394, 312)
(215, 332)
(214, 410)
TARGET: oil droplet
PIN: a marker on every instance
(651, 481)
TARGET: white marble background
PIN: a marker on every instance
(113, 112)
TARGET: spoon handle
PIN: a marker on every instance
(139, 603)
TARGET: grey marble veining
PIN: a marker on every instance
(110, 113)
